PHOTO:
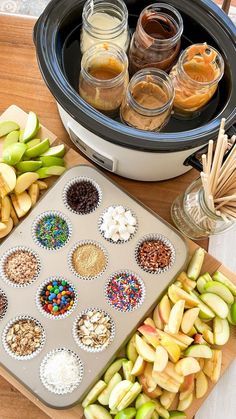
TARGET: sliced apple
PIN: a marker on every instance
(195, 265)
(165, 308)
(201, 326)
(201, 385)
(146, 410)
(167, 399)
(221, 290)
(28, 166)
(202, 281)
(127, 367)
(14, 216)
(104, 396)
(4, 231)
(33, 142)
(233, 313)
(8, 126)
(141, 399)
(143, 349)
(21, 203)
(161, 410)
(149, 322)
(199, 339)
(220, 277)
(150, 334)
(13, 153)
(176, 316)
(188, 319)
(7, 179)
(205, 312)
(48, 161)
(161, 359)
(42, 185)
(94, 393)
(172, 349)
(6, 209)
(155, 415)
(185, 403)
(221, 331)
(34, 193)
(38, 149)
(57, 151)
(145, 381)
(128, 413)
(187, 366)
(113, 369)
(187, 386)
(118, 393)
(168, 338)
(192, 332)
(216, 304)
(139, 366)
(148, 374)
(24, 181)
(181, 337)
(208, 336)
(31, 127)
(130, 396)
(131, 352)
(187, 283)
(45, 172)
(157, 318)
(212, 367)
(176, 294)
(176, 414)
(166, 382)
(10, 139)
(94, 411)
(199, 351)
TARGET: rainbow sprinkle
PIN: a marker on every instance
(125, 291)
(52, 231)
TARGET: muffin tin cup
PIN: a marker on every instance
(126, 272)
(39, 305)
(100, 221)
(70, 259)
(166, 241)
(6, 346)
(50, 387)
(48, 214)
(4, 259)
(73, 182)
(78, 340)
(5, 304)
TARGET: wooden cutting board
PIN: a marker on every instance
(210, 264)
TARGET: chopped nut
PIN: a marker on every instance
(24, 337)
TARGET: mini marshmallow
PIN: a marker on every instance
(118, 224)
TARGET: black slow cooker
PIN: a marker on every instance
(127, 151)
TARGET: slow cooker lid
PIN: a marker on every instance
(48, 35)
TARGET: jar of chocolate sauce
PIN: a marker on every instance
(156, 41)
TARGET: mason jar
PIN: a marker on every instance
(193, 217)
(104, 77)
(104, 21)
(156, 41)
(195, 78)
(148, 101)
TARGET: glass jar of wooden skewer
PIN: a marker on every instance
(208, 206)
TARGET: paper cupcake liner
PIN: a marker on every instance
(4, 302)
(100, 221)
(39, 305)
(41, 217)
(77, 338)
(60, 390)
(166, 242)
(143, 294)
(70, 259)
(4, 258)
(77, 180)
(6, 346)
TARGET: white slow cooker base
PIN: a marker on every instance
(126, 162)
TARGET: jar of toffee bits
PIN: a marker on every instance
(104, 77)
(156, 41)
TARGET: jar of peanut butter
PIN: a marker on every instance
(104, 77)
(195, 78)
(148, 101)
(156, 41)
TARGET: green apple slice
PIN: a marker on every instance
(146, 410)
(48, 161)
(176, 414)
(94, 411)
(94, 393)
(7, 179)
(199, 351)
(33, 142)
(103, 398)
(113, 369)
(38, 149)
(155, 415)
(233, 313)
(31, 127)
(10, 139)
(141, 399)
(202, 280)
(221, 331)
(221, 290)
(118, 393)
(205, 312)
(131, 352)
(45, 172)
(218, 276)
(216, 304)
(8, 126)
(195, 265)
(28, 166)
(13, 153)
(127, 368)
(56, 151)
(130, 396)
(128, 413)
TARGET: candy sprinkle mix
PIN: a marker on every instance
(52, 231)
(57, 297)
(125, 291)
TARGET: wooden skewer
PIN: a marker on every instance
(209, 156)
(229, 211)
(204, 163)
(224, 143)
(226, 198)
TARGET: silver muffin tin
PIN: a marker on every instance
(121, 257)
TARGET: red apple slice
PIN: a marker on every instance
(201, 385)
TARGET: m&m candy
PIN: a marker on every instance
(57, 297)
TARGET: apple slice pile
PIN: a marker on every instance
(172, 354)
(25, 161)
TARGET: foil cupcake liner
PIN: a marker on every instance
(73, 182)
(60, 390)
(166, 241)
(6, 346)
(78, 339)
(39, 305)
(41, 217)
(100, 221)
(4, 258)
(143, 294)
(70, 259)
(4, 303)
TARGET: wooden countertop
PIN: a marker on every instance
(21, 84)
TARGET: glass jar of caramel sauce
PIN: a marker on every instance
(104, 77)
(156, 41)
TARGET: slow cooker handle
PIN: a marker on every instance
(194, 159)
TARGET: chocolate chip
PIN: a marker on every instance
(82, 197)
